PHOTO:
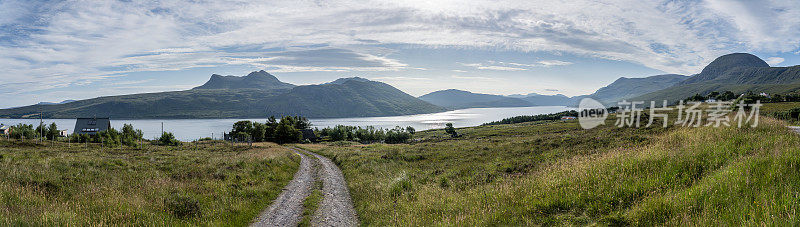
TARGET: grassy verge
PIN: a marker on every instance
(61, 185)
(556, 173)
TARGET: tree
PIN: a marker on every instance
(41, 130)
(110, 137)
(52, 131)
(130, 135)
(168, 139)
(258, 132)
(726, 95)
(713, 94)
(451, 130)
(411, 130)
(397, 135)
(286, 133)
(242, 129)
(23, 131)
(696, 97)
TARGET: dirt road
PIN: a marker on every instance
(336, 208)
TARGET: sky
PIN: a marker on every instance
(58, 50)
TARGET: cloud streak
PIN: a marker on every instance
(46, 45)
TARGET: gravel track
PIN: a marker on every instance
(336, 207)
(287, 209)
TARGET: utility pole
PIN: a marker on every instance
(162, 128)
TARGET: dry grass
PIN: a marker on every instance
(558, 174)
(212, 184)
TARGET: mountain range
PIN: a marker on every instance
(737, 72)
(257, 95)
(260, 94)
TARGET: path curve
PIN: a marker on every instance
(336, 208)
(287, 209)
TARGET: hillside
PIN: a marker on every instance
(348, 99)
(627, 88)
(738, 73)
(458, 99)
(558, 174)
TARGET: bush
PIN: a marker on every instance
(110, 137)
(451, 130)
(23, 130)
(397, 135)
(130, 135)
(182, 206)
(168, 139)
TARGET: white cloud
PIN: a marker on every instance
(513, 66)
(75, 42)
(774, 60)
(554, 63)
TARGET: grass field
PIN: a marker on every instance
(61, 185)
(556, 173)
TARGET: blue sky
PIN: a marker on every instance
(57, 50)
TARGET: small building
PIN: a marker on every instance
(63, 133)
(91, 126)
(711, 100)
(308, 134)
(5, 129)
(567, 118)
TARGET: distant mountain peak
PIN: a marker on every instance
(255, 80)
(344, 80)
(726, 65)
(735, 60)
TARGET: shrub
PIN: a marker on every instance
(110, 137)
(182, 206)
(131, 135)
(451, 130)
(168, 139)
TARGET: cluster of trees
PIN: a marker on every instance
(724, 96)
(529, 118)
(287, 130)
(749, 97)
(42, 131)
(128, 136)
(367, 134)
(789, 115)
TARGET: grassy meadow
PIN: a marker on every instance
(555, 173)
(57, 184)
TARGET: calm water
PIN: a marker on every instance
(192, 129)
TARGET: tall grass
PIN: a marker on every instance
(61, 185)
(558, 174)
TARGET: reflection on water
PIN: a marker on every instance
(191, 129)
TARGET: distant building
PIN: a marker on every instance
(5, 129)
(711, 100)
(92, 126)
(63, 133)
(567, 118)
(308, 134)
(764, 94)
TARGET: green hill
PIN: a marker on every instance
(350, 98)
(458, 99)
(738, 73)
(627, 88)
